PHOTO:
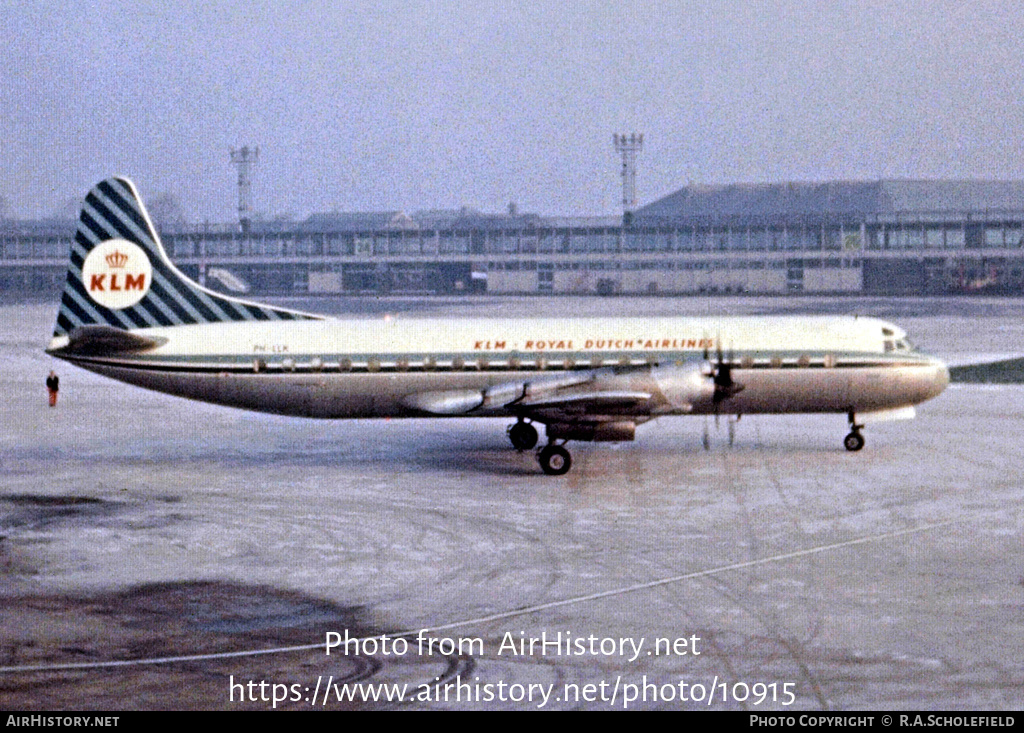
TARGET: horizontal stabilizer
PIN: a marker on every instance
(101, 341)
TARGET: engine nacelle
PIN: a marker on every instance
(619, 431)
(685, 386)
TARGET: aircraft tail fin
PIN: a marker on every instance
(119, 274)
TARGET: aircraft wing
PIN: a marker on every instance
(582, 396)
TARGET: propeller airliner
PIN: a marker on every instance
(128, 313)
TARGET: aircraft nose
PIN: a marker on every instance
(940, 377)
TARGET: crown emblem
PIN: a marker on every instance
(116, 259)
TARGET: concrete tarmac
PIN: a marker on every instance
(779, 574)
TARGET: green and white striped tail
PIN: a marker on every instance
(119, 274)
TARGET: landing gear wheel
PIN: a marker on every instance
(554, 460)
(854, 441)
(523, 435)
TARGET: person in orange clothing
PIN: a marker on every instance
(53, 385)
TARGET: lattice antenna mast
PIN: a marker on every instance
(628, 147)
(244, 160)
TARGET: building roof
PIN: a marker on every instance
(398, 220)
(832, 200)
(370, 221)
(466, 218)
(953, 196)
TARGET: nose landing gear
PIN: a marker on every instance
(854, 441)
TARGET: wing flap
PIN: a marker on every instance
(603, 401)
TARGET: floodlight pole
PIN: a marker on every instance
(244, 160)
(628, 146)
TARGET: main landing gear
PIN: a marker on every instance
(855, 440)
(554, 458)
(523, 435)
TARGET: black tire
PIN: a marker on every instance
(554, 460)
(523, 436)
(854, 441)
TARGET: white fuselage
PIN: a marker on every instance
(372, 368)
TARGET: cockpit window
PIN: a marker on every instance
(891, 343)
(900, 345)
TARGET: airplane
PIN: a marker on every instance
(128, 313)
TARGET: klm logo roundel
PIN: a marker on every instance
(117, 274)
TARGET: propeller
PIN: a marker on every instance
(721, 374)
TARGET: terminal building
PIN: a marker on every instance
(877, 237)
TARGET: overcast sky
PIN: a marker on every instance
(381, 105)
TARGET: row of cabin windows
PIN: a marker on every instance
(482, 364)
